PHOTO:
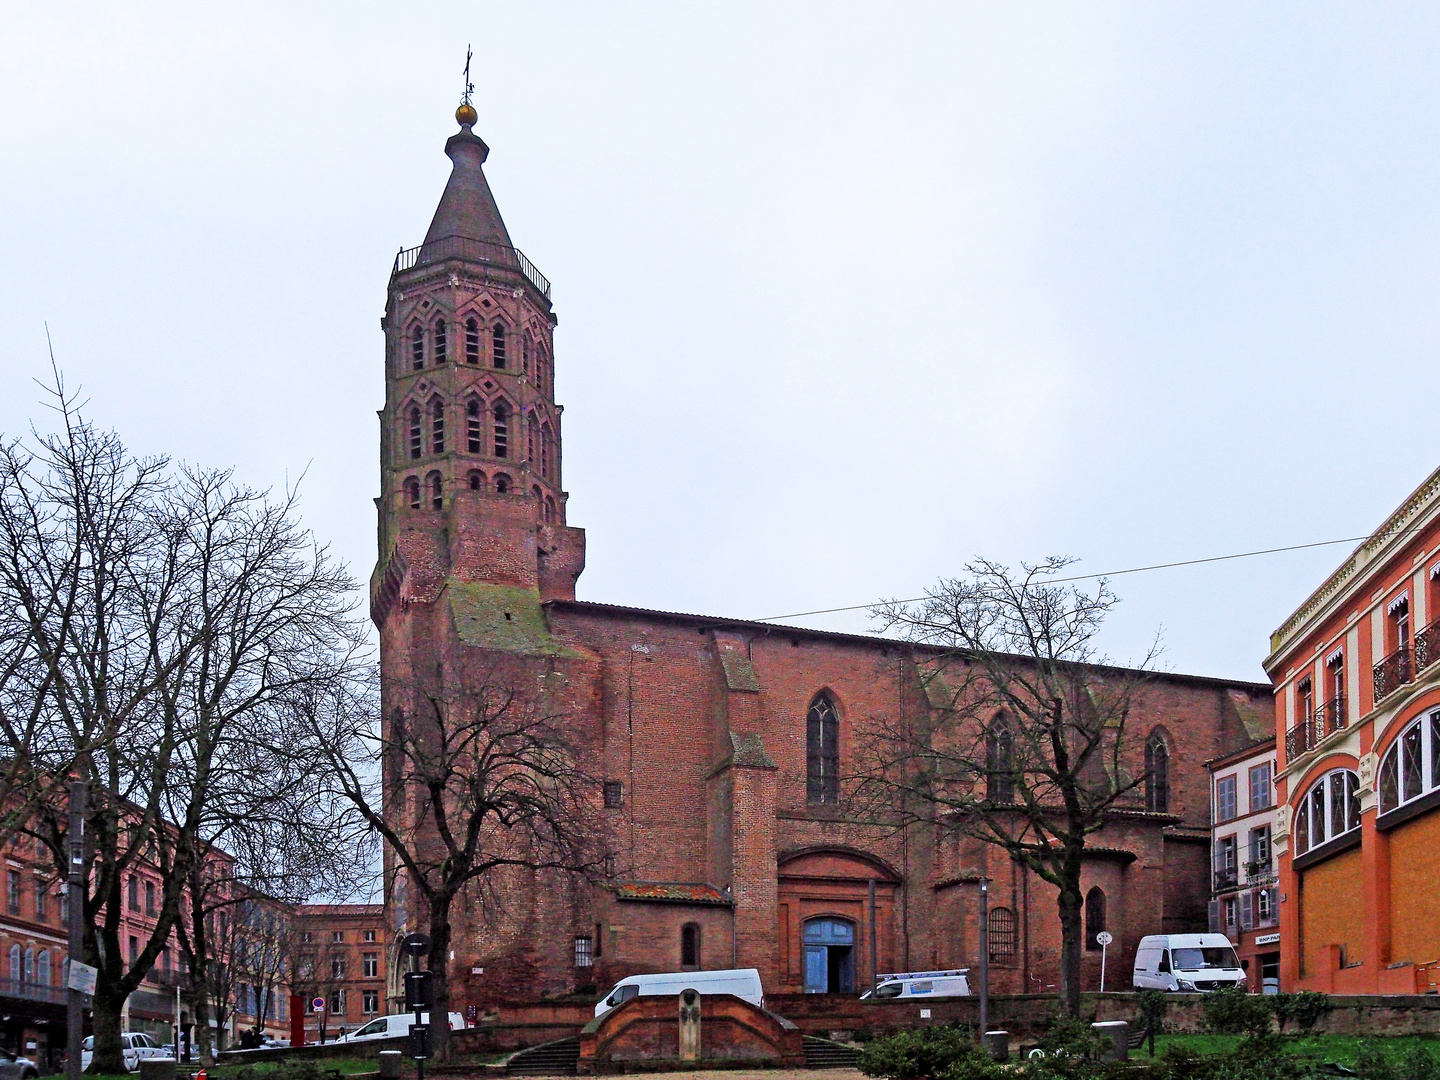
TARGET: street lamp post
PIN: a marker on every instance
(984, 956)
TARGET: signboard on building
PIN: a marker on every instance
(1268, 939)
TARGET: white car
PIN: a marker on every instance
(742, 982)
(392, 1027)
(133, 1044)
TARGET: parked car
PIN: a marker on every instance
(920, 984)
(16, 1067)
(393, 1026)
(135, 1045)
(270, 1042)
(742, 982)
(1186, 962)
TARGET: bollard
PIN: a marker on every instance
(157, 1069)
(390, 1064)
(997, 1043)
(1117, 1034)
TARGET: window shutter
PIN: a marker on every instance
(1214, 916)
(1247, 911)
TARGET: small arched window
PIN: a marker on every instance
(1157, 774)
(417, 349)
(1002, 935)
(437, 426)
(412, 492)
(42, 968)
(477, 480)
(497, 345)
(474, 439)
(501, 433)
(1411, 767)
(1094, 917)
(1000, 763)
(441, 342)
(17, 973)
(437, 491)
(472, 341)
(549, 509)
(539, 500)
(1329, 810)
(502, 483)
(822, 752)
(690, 947)
(415, 436)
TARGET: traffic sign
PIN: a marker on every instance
(417, 944)
(1104, 937)
(318, 1004)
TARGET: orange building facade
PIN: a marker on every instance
(1357, 696)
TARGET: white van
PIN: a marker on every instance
(393, 1026)
(1187, 962)
(920, 984)
(742, 982)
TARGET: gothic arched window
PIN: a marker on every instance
(497, 345)
(1002, 935)
(822, 752)
(437, 426)
(472, 341)
(437, 491)
(502, 429)
(417, 348)
(502, 483)
(1094, 917)
(477, 480)
(415, 436)
(545, 450)
(1000, 763)
(549, 509)
(440, 341)
(474, 440)
(1157, 774)
(412, 492)
(532, 436)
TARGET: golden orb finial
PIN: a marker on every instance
(466, 115)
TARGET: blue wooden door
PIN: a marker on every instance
(817, 969)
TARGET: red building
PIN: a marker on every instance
(1357, 695)
(718, 742)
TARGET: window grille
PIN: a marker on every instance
(473, 438)
(1157, 775)
(1002, 935)
(497, 345)
(415, 433)
(417, 349)
(822, 752)
(614, 794)
(437, 426)
(584, 951)
(440, 342)
(437, 492)
(501, 433)
(472, 341)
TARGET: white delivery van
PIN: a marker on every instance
(394, 1026)
(1187, 962)
(742, 982)
(904, 985)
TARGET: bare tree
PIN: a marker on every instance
(1027, 748)
(155, 623)
(461, 785)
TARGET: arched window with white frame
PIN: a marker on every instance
(1411, 766)
(1329, 810)
(822, 751)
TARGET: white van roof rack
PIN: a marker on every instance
(924, 974)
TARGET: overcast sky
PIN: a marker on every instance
(848, 293)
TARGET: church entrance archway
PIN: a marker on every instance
(829, 956)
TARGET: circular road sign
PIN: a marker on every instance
(318, 1004)
(1104, 937)
(417, 944)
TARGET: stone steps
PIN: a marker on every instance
(825, 1054)
(557, 1058)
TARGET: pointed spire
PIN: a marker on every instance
(467, 208)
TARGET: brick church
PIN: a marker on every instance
(716, 742)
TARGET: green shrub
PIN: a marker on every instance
(1418, 1064)
(907, 1055)
(1233, 1011)
(1304, 1007)
(1371, 1062)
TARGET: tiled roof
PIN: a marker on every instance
(671, 892)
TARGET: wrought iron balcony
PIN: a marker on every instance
(1427, 646)
(462, 247)
(1394, 671)
(1309, 730)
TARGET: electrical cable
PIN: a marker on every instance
(1091, 577)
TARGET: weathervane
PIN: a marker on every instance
(469, 86)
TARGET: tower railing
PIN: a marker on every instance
(482, 251)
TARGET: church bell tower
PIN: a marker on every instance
(470, 460)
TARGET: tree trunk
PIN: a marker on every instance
(109, 1055)
(439, 983)
(1072, 933)
(200, 1015)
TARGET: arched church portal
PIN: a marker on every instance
(829, 956)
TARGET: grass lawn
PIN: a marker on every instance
(1338, 1048)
